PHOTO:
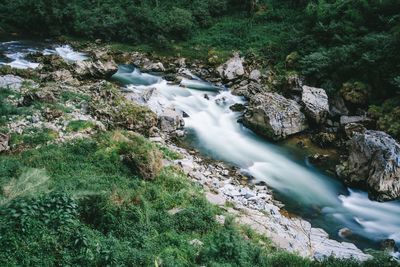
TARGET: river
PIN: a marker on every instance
(214, 130)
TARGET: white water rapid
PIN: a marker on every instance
(15, 54)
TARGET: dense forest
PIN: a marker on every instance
(338, 45)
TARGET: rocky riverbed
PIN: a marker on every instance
(100, 105)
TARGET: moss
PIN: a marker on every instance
(356, 93)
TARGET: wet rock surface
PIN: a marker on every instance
(374, 163)
(273, 116)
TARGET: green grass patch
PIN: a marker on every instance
(33, 136)
(79, 126)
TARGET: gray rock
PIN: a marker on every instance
(273, 116)
(374, 162)
(4, 139)
(64, 76)
(11, 82)
(353, 119)
(150, 66)
(352, 128)
(95, 69)
(170, 120)
(338, 107)
(255, 75)
(232, 69)
(316, 104)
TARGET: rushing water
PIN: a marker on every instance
(14, 53)
(214, 130)
(323, 200)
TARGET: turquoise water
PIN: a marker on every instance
(324, 201)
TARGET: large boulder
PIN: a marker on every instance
(316, 105)
(374, 163)
(232, 69)
(95, 69)
(11, 82)
(273, 116)
(169, 118)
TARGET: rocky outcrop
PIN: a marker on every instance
(112, 108)
(374, 163)
(11, 82)
(232, 69)
(169, 119)
(4, 139)
(273, 116)
(95, 69)
(316, 105)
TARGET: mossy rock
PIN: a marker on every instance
(355, 93)
(114, 110)
(141, 157)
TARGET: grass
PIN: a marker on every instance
(79, 125)
(78, 204)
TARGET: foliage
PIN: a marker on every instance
(387, 116)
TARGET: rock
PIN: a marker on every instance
(4, 139)
(355, 94)
(237, 107)
(353, 128)
(345, 232)
(388, 245)
(374, 162)
(316, 104)
(324, 139)
(232, 69)
(150, 66)
(44, 94)
(11, 82)
(273, 116)
(64, 76)
(293, 83)
(354, 119)
(338, 107)
(248, 89)
(255, 75)
(146, 162)
(95, 69)
(170, 120)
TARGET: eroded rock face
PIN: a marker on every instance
(11, 82)
(273, 116)
(95, 69)
(374, 162)
(232, 69)
(316, 104)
